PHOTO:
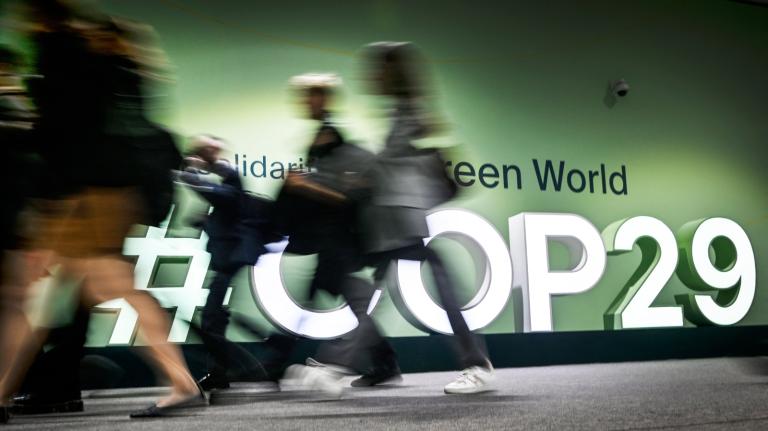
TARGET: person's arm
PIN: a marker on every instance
(227, 173)
(298, 183)
(216, 194)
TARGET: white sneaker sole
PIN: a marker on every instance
(467, 391)
(313, 378)
(487, 386)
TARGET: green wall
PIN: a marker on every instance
(517, 81)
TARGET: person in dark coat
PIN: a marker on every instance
(53, 382)
(323, 220)
(237, 229)
(82, 221)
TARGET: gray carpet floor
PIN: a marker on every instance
(707, 394)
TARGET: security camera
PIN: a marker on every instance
(619, 88)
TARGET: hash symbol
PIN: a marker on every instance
(185, 298)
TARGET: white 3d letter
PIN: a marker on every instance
(528, 235)
(275, 302)
(496, 275)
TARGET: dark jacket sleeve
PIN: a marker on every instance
(224, 195)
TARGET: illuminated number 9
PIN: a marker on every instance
(731, 275)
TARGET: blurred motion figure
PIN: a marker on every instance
(101, 157)
(238, 227)
(406, 182)
(321, 213)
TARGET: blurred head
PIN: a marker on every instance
(140, 43)
(395, 69)
(316, 92)
(103, 37)
(206, 147)
(49, 14)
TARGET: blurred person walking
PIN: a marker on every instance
(320, 211)
(238, 227)
(406, 183)
(95, 141)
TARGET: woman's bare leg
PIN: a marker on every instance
(112, 277)
(19, 342)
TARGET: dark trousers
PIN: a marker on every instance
(469, 348)
(215, 318)
(365, 349)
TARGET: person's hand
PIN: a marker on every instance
(196, 162)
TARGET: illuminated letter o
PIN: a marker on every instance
(274, 301)
(495, 288)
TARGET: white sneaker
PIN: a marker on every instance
(316, 378)
(473, 380)
(337, 369)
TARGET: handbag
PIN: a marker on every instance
(417, 179)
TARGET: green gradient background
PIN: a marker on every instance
(517, 81)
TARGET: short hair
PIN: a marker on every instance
(325, 83)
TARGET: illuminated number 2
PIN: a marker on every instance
(732, 274)
(632, 308)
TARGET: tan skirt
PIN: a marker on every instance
(91, 223)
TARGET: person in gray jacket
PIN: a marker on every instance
(406, 182)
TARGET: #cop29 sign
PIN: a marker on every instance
(732, 275)
(709, 255)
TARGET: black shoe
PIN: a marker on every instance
(4, 415)
(210, 382)
(378, 376)
(31, 404)
(153, 411)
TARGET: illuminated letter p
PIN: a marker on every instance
(529, 234)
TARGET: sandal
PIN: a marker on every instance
(154, 411)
